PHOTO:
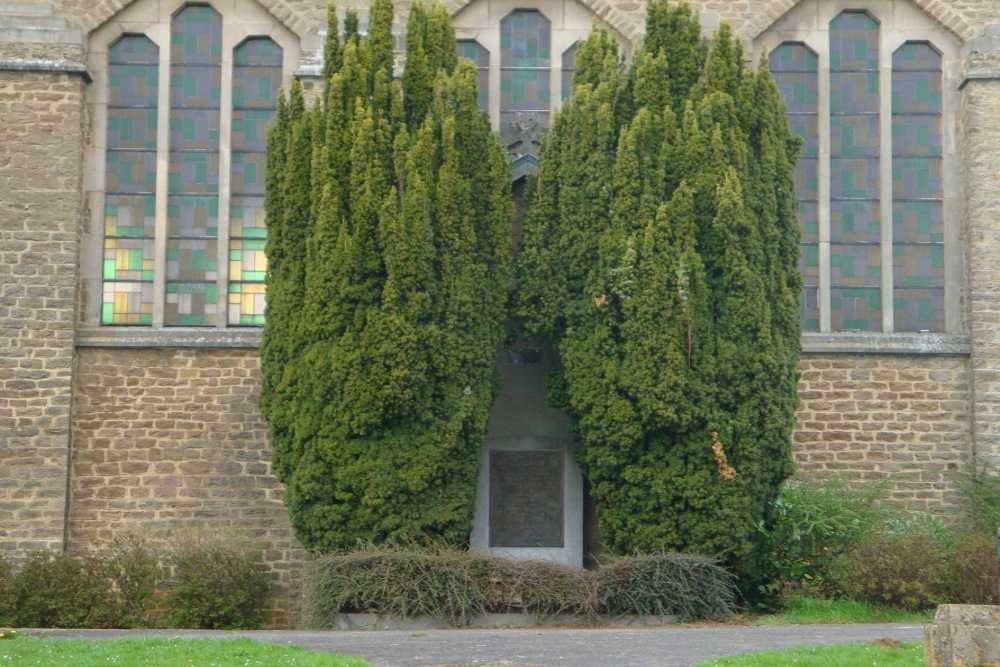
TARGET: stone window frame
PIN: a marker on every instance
(900, 22)
(242, 19)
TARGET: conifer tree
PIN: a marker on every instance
(389, 232)
(659, 262)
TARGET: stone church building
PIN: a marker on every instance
(131, 248)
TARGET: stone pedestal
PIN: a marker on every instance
(963, 635)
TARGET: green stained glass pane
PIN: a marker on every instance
(127, 303)
(249, 131)
(809, 308)
(196, 35)
(192, 216)
(918, 309)
(257, 52)
(918, 56)
(471, 49)
(918, 221)
(854, 42)
(854, 136)
(191, 304)
(855, 265)
(918, 265)
(192, 260)
(855, 309)
(854, 178)
(855, 221)
(568, 67)
(917, 178)
(248, 173)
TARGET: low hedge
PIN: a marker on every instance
(454, 586)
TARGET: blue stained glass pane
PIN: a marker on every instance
(568, 67)
(855, 265)
(855, 309)
(854, 221)
(257, 51)
(854, 42)
(471, 49)
(918, 309)
(196, 36)
(524, 39)
(916, 56)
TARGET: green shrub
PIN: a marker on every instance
(683, 585)
(134, 571)
(982, 493)
(217, 583)
(454, 586)
(814, 522)
(445, 583)
(61, 591)
(6, 591)
(976, 568)
(909, 569)
(538, 587)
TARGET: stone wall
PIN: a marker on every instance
(901, 418)
(166, 440)
(41, 135)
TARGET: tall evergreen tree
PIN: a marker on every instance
(389, 237)
(659, 262)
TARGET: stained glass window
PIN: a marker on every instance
(256, 80)
(525, 61)
(862, 270)
(568, 67)
(917, 189)
(173, 237)
(193, 179)
(474, 51)
(130, 181)
(795, 68)
(855, 224)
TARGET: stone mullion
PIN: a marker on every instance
(229, 41)
(823, 175)
(162, 37)
(885, 181)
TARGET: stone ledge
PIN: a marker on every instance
(425, 622)
(884, 343)
(91, 336)
(45, 66)
(812, 343)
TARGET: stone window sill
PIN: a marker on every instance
(812, 342)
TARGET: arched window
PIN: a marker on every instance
(180, 132)
(525, 62)
(879, 246)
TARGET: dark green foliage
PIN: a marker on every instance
(455, 586)
(381, 334)
(217, 584)
(813, 523)
(659, 261)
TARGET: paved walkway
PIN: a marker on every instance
(677, 646)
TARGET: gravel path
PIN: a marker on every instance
(676, 646)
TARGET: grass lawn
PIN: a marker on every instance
(821, 610)
(839, 655)
(162, 652)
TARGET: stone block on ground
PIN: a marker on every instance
(963, 635)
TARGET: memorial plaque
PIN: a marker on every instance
(526, 498)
